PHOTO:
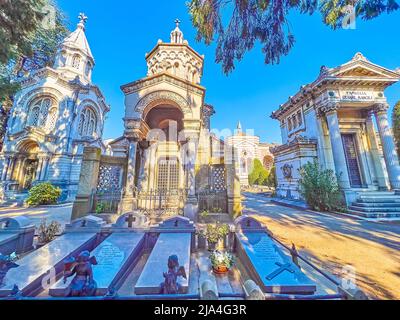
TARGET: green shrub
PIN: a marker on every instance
(258, 175)
(271, 180)
(43, 194)
(320, 188)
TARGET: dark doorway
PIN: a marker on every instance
(351, 154)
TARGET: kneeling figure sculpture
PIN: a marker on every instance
(170, 284)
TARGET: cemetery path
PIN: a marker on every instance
(331, 242)
(61, 213)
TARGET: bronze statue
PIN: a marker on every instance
(170, 284)
(83, 284)
(6, 263)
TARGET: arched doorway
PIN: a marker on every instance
(27, 172)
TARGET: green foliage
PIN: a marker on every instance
(47, 233)
(396, 125)
(216, 232)
(102, 207)
(258, 175)
(239, 24)
(271, 180)
(27, 44)
(320, 188)
(43, 194)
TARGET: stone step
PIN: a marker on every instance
(374, 215)
(376, 193)
(377, 204)
(394, 199)
(372, 209)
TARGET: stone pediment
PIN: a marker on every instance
(360, 67)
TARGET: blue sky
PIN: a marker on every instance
(120, 32)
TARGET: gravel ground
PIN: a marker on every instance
(332, 242)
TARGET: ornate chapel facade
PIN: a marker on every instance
(341, 120)
(57, 112)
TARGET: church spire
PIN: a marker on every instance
(177, 34)
(239, 127)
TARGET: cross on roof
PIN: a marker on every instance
(82, 18)
(282, 267)
(177, 22)
(130, 219)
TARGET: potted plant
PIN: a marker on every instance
(214, 234)
(47, 232)
(221, 261)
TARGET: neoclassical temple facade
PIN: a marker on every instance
(248, 147)
(168, 160)
(341, 119)
(57, 112)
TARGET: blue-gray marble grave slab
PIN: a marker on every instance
(16, 235)
(274, 271)
(152, 275)
(115, 256)
(45, 261)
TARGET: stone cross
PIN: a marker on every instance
(177, 22)
(130, 219)
(282, 267)
(82, 18)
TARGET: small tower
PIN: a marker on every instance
(74, 56)
(177, 34)
(175, 58)
(239, 128)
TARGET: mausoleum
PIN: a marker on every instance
(166, 162)
(341, 120)
(57, 112)
(248, 147)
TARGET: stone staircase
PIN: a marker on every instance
(379, 204)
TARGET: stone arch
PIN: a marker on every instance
(28, 146)
(156, 98)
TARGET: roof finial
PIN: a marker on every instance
(239, 127)
(176, 34)
(82, 20)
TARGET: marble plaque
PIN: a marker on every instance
(277, 272)
(47, 260)
(152, 274)
(114, 258)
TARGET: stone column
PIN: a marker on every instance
(131, 171)
(17, 169)
(10, 168)
(388, 145)
(191, 207)
(39, 169)
(337, 145)
(233, 186)
(127, 203)
(5, 168)
(44, 168)
(88, 181)
(144, 165)
(375, 153)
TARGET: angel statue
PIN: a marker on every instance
(170, 284)
(83, 284)
(6, 263)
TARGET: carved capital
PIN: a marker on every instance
(329, 108)
(381, 108)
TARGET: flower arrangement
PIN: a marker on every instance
(215, 233)
(221, 261)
